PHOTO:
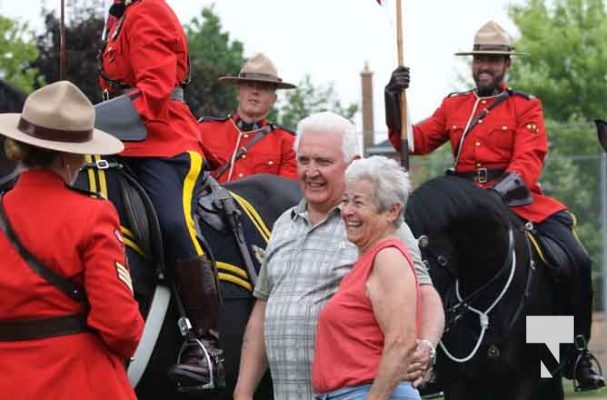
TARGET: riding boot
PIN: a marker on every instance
(580, 367)
(200, 364)
(580, 360)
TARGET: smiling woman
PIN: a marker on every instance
(379, 298)
(373, 204)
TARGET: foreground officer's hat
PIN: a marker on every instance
(258, 69)
(491, 39)
(59, 117)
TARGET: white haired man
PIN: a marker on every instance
(306, 258)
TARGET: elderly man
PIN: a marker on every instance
(306, 258)
(246, 143)
(499, 141)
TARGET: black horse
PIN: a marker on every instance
(260, 200)
(490, 278)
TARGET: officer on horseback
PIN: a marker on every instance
(499, 141)
(268, 147)
(144, 66)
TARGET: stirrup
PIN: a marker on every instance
(583, 354)
(193, 375)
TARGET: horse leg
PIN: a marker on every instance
(233, 321)
(525, 388)
(550, 389)
(459, 391)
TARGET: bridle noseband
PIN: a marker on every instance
(464, 305)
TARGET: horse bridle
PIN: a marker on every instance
(463, 305)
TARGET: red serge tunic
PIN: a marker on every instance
(273, 154)
(147, 51)
(349, 341)
(512, 136)
(78, 237)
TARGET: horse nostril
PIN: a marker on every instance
(441, 260)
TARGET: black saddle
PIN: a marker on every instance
(139, 223)
(552, 254)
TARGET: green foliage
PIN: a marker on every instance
(571, 174)
(431, 165)
(565, 65)
(82, 43)
(18, 51)
(213, 54)
(307, 99)
(565, 68)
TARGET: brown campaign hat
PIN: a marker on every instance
(258, 69)
(59, 117)
(491, 39)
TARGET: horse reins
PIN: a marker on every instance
(484, 315)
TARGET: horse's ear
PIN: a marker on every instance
(601, 130)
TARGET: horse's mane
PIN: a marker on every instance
(447, 201)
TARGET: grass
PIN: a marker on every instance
(570, 394)
(595, 394)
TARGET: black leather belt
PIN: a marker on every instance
(40, 328)
(480, 175)
(177, 94)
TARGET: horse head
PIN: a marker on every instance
(479, 260)
(460, 223)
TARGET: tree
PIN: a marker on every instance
(565, 65)
(565, 68)
(83, 43)
(307, 99)
(18, 51)
(213, 54)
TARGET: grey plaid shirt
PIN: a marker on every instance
(302, 269)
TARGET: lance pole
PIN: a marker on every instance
(62, 42)
(404, 145)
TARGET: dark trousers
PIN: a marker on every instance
(172, 185)
(559, 227)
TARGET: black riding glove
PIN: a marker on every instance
(512, 190)
(399, 81)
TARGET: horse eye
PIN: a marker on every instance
(441, 260)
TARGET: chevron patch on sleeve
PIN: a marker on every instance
(124, 275)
